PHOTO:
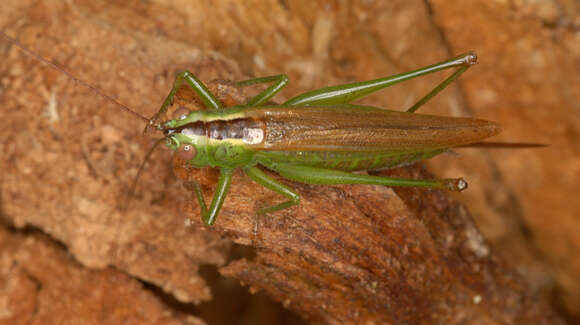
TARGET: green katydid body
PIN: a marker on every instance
(342, 137)
(316, 137)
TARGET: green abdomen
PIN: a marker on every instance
(345, 160)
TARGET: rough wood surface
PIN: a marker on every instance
(347, 254)
(42, 285)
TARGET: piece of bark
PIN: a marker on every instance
(70, 156)
(367, 254)
(41, 284)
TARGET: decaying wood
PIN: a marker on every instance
(346, 254)
(42, 285)
(358, 253)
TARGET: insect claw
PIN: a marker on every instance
(454, 184)
(471, 58)
(460, 184)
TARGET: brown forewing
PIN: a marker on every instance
(363, 128)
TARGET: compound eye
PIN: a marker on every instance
(181, 113)
(187, 152)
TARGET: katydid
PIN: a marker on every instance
(317, 137)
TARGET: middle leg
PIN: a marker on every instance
(279, 82)
(261, 178)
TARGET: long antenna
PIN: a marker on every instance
(70, 75)
(131, 194)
